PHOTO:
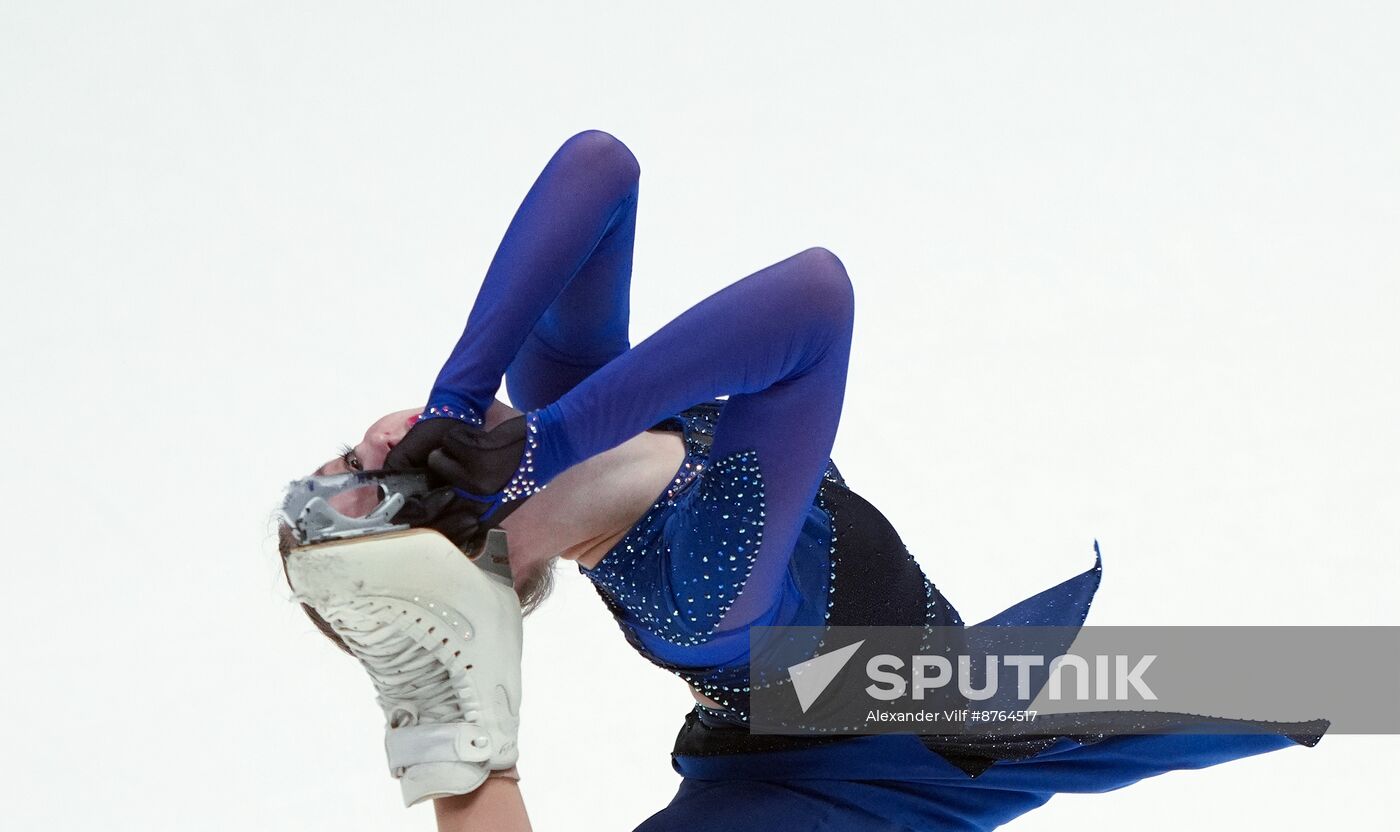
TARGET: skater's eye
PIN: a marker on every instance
(348, 456)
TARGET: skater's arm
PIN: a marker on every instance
(496, 806)
(553, 306)
(777, 343)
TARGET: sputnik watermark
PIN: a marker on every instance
(1112, 678)
(1072, 681)
(933, 672)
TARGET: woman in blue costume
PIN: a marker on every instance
(697, 519)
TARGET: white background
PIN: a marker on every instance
(1123, 271)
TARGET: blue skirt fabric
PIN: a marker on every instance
(895, 782)
(892, 782)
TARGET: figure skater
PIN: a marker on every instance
(695, 518)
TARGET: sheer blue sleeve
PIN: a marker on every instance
(553, 306)
(777, 343)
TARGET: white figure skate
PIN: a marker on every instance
(439, 634)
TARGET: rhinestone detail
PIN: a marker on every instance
(447, 411)
(677, 579)
(523, 482)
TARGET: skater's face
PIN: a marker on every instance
(367, 455)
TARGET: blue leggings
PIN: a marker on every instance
(552, 316)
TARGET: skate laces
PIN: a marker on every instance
(414, 682)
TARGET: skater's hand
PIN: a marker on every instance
(479, 462)
(468, 458)
(426, 436)
(468, 467)
(443, 510)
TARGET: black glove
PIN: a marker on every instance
(462, 455)
(445, 511)
(476, 461)
(461, 458)
(421, 440)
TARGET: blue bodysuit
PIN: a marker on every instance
(757, 527)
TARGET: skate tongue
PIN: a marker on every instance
(495, 556)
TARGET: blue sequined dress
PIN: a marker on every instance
(671, 579)
(758, 526)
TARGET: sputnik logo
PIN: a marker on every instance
(811, 677)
